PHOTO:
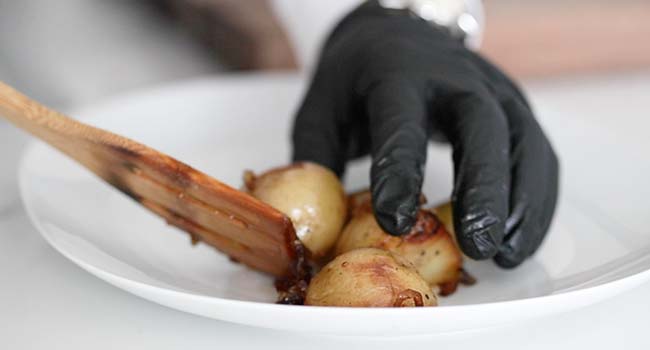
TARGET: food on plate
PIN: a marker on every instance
(428, 245)
(310, 195)
(324, 217)
(357, 200)
(445, 213)
(369, 277)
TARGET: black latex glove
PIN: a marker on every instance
(385, 84)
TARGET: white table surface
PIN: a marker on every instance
(46, 302)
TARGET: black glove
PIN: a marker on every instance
(385, 84)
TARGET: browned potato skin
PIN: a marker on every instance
(311, 196)
(445, 213)
(357, 200)
(428, 246)
(369, 277)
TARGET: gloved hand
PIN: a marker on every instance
(386, 83)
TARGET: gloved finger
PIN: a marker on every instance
(397, 113)
(498, 78)
(478, 132)
(316, 134)
(534, 186)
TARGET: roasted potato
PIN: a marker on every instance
(428, 246)
(369, 278)
(445, 213)
(310, 195)
(357, 200)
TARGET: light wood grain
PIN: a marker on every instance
(246, 229)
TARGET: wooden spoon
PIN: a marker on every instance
(246, 229)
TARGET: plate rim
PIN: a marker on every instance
(35, 146)
(615, 286)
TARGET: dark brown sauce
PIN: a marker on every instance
(292, 290)
(465, 278)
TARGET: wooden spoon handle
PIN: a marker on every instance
(234, 222)
(64, 133)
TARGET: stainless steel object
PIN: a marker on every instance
(463, 18)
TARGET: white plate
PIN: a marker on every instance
(12, 142)
(227, 124)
